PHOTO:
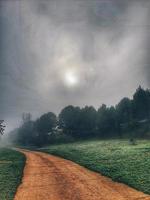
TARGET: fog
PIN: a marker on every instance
(81, 52)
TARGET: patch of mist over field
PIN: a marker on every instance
(104, 44)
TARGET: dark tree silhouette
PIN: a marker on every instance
(129, 118)
(69, 119)
(141, 104)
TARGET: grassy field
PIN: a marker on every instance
(117, 159)
(11, 168)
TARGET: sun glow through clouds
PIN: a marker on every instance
(71, 79)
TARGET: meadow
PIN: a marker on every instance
(11, 169)
(117, 159)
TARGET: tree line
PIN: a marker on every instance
(130, 117)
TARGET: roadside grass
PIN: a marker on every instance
(117, 159)
(11, 169)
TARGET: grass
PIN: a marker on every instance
(117, 159)
(11, 169)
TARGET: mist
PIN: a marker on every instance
(79, 52)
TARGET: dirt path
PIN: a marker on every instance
(48, 177)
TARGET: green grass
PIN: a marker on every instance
(11, 168)
(117, 159)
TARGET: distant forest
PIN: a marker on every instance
(129, 118)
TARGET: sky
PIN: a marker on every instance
(56, 53)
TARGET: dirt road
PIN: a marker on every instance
(48, 177)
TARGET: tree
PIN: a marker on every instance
(26, 117)
(106, 121)
(124, 110)
(148, 102)
(141, 104)
(2, 127)
(87, 125)
(69, 119)
(26, 133)
(78, 122)
(36, 132)
(44, 126)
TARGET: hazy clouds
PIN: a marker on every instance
(105, 44)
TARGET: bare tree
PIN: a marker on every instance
(26, 117)
(2, 127)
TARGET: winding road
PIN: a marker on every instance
(48, 177)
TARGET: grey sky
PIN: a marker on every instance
(60, 52)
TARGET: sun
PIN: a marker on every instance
(71, 78)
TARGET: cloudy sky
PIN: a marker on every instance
(80, 52)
